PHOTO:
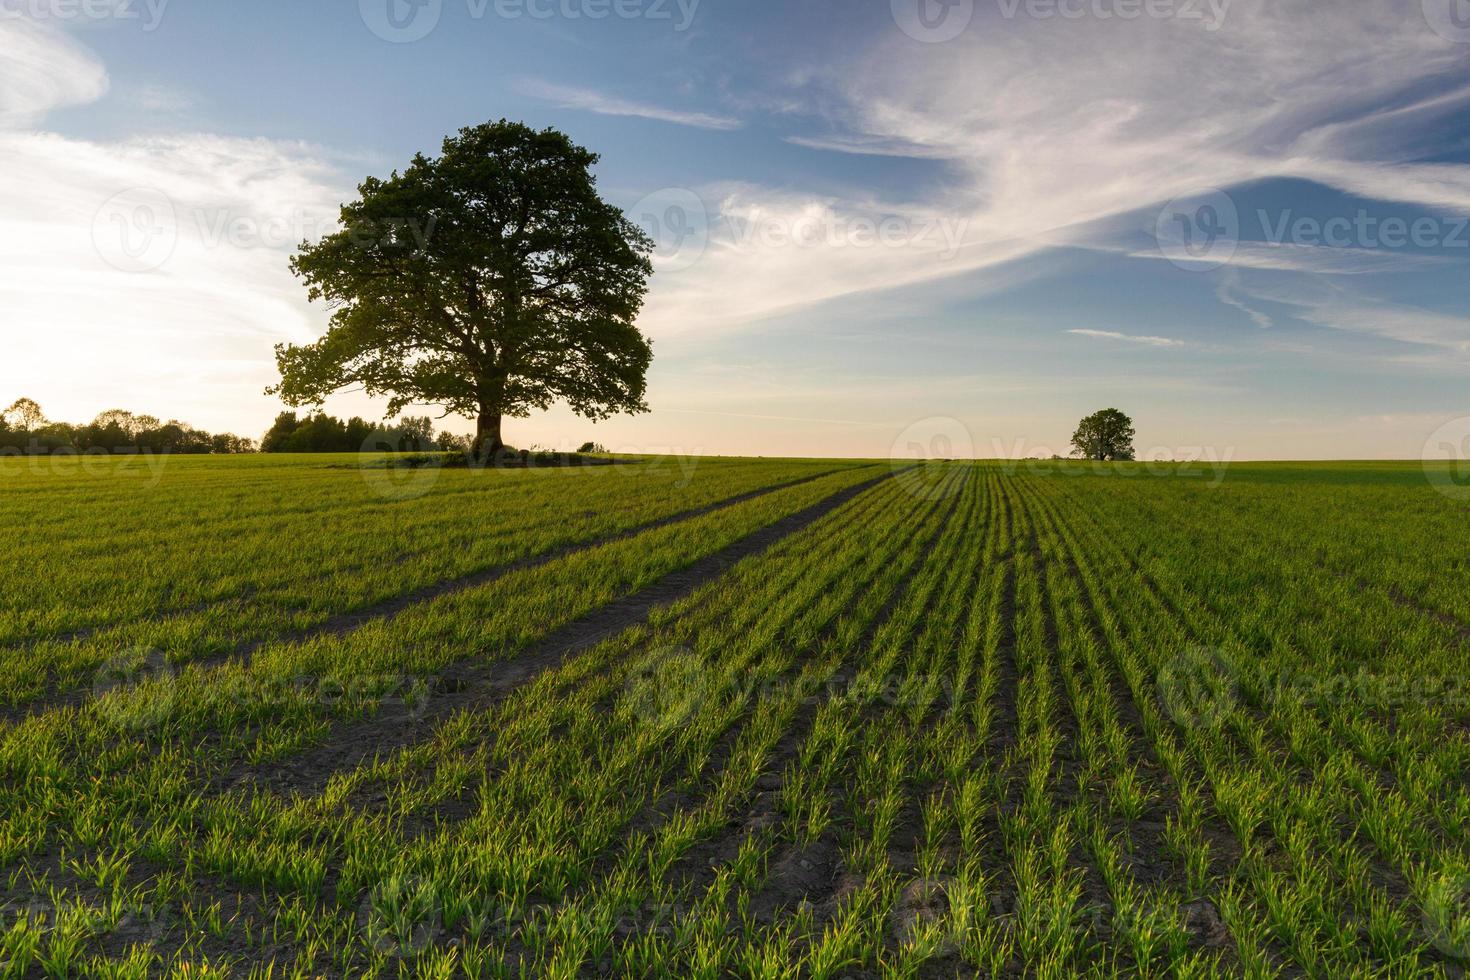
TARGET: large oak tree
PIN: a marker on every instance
(489, 281)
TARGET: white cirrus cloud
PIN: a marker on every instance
(1143, 339)
(1039, 155)
(42, 69)
(607, 105)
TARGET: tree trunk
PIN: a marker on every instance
(488, 443)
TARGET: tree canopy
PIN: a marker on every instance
(490, 281)
(23, 415)
(1104, 436)
(319, 433)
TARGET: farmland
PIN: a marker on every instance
(281, 716)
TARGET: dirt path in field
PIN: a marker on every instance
(472, 684)
(345, 623)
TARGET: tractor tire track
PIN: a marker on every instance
(474, 685)
(343, 624)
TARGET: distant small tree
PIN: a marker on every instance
(592, 447)
(450, 443)
(417, 432)
(1104, 436)
(25, 415)
(362, 436)
(229, 443)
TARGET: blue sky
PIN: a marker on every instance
(1245, 223)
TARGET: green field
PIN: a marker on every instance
(290, 716)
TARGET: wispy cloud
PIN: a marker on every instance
(1270, 95)
(1294, 257)
(607, 105)
(146, 265)
(867, 146)
(1145, 340)
(1428, 337)
(776, 418)
(158, 98)
(1226, 293)
(43, 69)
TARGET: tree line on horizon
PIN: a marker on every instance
(25, 429)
